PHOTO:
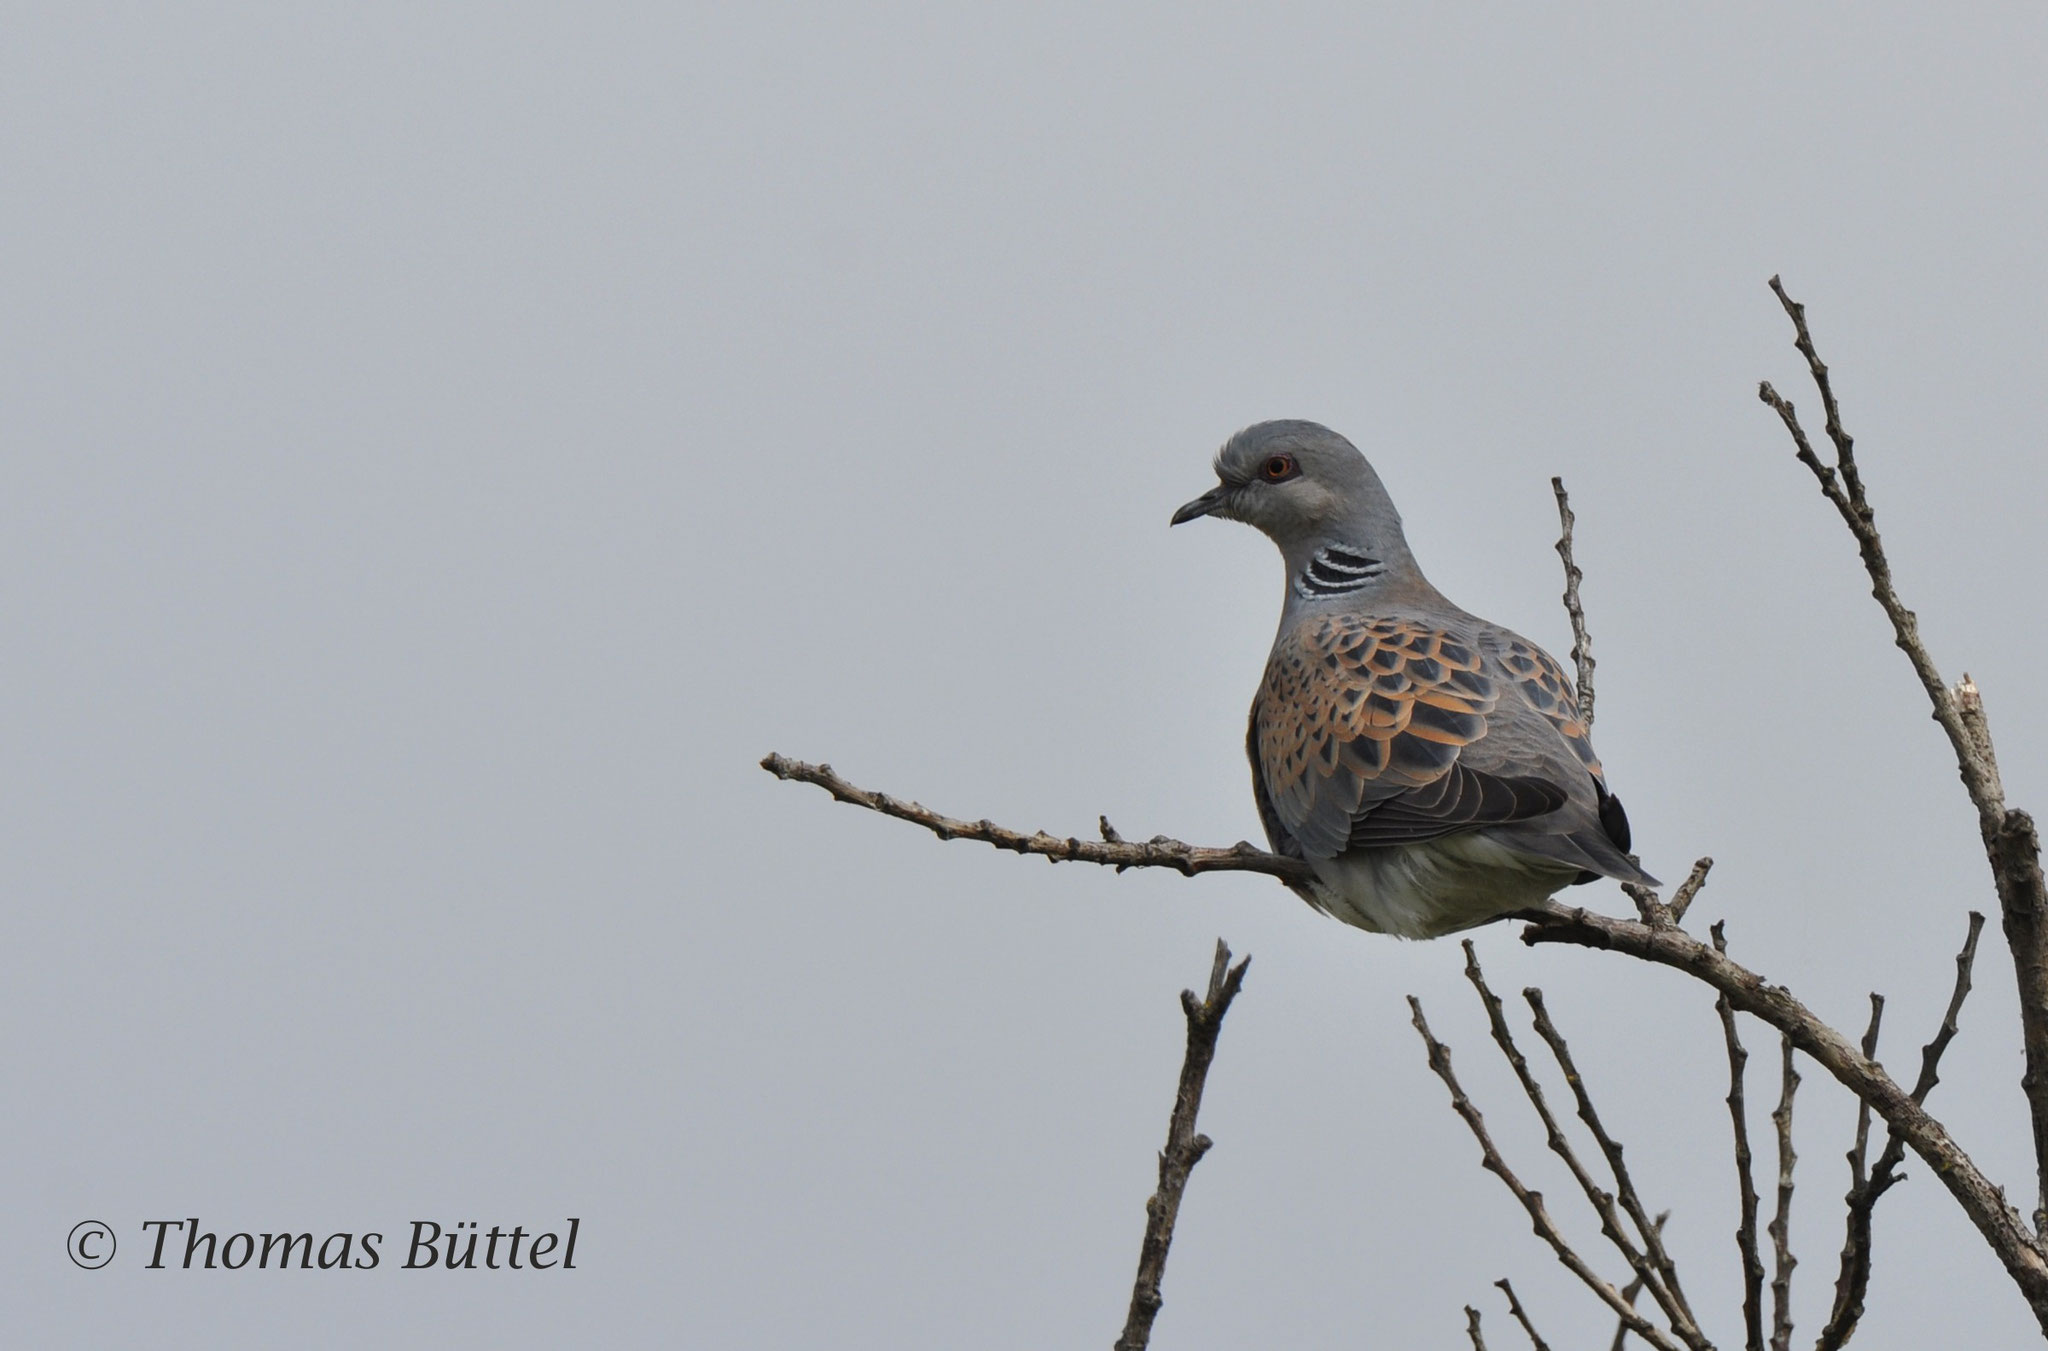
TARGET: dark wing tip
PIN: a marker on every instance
(1613, 818)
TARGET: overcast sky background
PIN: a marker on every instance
(447, 446)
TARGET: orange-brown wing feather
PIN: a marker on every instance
(1541, 681)
(1359, 713)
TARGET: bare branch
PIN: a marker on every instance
(1970, 707)
(1745, 1177)
(1536, 1342)
(1602, 1203)
(1854, 1276)
(1582, 642)
(1666, 1272)
(1853, 1281)
(1844, 489)
(1661, 944)
(1930, 1054)
(1635, 1288)
(1689, 890)
(1861, 1150)
(2000, 1225)
(2011, 843)
(1650, 908)
(1184, 1148)
(1781, 1222)
(1112, 851)
(2015, 853)
(1532, 1202)
(1472, 1328)
(1862, 1147)
(1856, 512)
(1842, 484)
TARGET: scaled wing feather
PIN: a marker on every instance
(1357, 731)
(1538, 679)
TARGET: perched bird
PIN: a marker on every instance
(1431, 767)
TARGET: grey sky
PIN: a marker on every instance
(447, 446)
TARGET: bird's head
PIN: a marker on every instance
(1306, 488)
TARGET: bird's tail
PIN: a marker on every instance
(1589, 849)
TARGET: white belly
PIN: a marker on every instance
(1438, 887)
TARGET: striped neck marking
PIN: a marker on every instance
(1337, 570)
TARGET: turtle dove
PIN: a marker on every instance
(1431, 768)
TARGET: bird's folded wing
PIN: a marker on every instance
(1356, 733)
(1539, 680)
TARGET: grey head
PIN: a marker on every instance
(1310, 491)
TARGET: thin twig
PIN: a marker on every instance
(1842, 485)
(1689, 890)
(1781, 1221)
(1184, 1148)
(1930, 1054)
(1745, 1177)
(1861, 1150)
(2012, 845)
(1650, 908)
(1633, 1289)
(1112, 851)
(1582, 642)
(1531, 1201)
(1856, 512)
(1666, 945)
(1666, 1271)
(1853, 1280)
(1472, 1328)
(1611, 1226)
(1854, 1276)
(2001, 1226)
(1536, 1342)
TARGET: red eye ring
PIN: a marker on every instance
(1277, 468)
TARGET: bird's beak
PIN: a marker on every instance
(1205, 505)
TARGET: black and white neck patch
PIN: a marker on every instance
(1337, 570)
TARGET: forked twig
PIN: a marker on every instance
(1666, 945)
(1184, 1148)
(1995, 1219)
(1853, 1280)
(1854, 1275)
(1665, 1270)
(1633, 1289)
(1659, 1280)
(1652, 909)
(1531, 1201)
(2012, 844)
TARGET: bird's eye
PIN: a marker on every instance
(1277, 468)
